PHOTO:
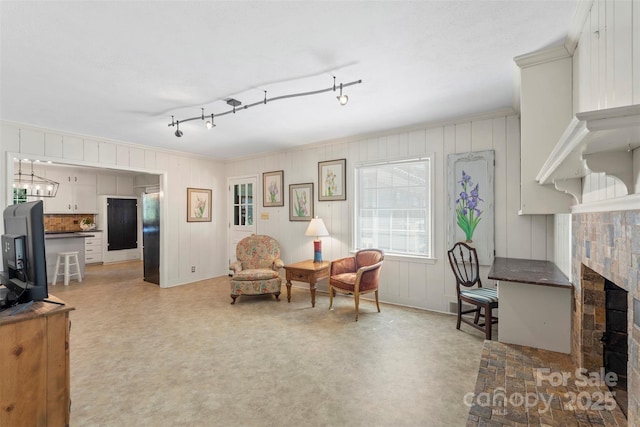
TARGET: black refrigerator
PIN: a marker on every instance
(151, 237)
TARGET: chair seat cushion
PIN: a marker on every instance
(482, 295)
(255, 274)
(346, 281)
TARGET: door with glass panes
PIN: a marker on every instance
(242, 195)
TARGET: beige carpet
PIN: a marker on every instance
(184, 356)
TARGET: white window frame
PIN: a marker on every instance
(430, 158)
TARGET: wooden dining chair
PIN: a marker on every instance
(464, 264)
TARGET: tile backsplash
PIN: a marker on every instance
(65, 222)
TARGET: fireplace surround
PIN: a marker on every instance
(606, 246)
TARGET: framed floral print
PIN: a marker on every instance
(198, 205)
(272, 185)
(332, 180)
(301, 202)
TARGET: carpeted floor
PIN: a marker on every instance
(184, 356)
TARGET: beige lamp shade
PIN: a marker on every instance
(317, 228)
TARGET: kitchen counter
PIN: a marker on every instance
(63, 242)
(72, 235)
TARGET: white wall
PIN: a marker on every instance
(606, 66)
(427, 285)
(183, 244)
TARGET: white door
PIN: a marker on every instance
(242, 195)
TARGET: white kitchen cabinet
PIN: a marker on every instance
(76, 193)
(93, 247)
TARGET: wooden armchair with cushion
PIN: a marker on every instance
(464, 263)
(256, 269)
(356, 275)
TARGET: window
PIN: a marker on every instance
(19, 195)
(393, 206)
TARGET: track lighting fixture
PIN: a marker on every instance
(237, 105)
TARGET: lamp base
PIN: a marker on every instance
(317, 251)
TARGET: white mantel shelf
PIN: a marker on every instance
(594, 141)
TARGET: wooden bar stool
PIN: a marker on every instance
(70, 259)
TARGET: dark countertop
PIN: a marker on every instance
(533, 272)
(67, 235)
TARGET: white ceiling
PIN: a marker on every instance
(120, 69)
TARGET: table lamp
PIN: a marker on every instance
(318, 229)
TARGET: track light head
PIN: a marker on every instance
(178, 131)
(210, 123)
(342, 99)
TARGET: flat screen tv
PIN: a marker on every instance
(24, 261)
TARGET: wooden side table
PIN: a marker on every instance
(309, 272)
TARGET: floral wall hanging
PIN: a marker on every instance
(470, 202)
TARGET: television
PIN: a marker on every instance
(24, 261)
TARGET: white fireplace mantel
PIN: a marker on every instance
(594, 141)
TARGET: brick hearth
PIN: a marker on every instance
(508, 372)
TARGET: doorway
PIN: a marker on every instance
(242, 195)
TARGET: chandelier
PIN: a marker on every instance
(33, 185)
(237, 105)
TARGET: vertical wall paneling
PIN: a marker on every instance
(482, 135)
(150, 159)
(602, 53)
(594, 35)
(463, 137)
(122, 155)
(623, 52)
(107, 153)
(448, 147)
(31, 142)
(518, 226)
(500, 191)
(72, 148)
(91, 151)
(9, 139)
(136, 157)
(52, 145)
(635, 35)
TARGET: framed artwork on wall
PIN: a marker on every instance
(301, 202)
(332, 180)
(470, 211)
(272, 185)
(198, 205)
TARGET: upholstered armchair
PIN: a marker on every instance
(356, 275)
(256, 269)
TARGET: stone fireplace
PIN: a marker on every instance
(606, 248)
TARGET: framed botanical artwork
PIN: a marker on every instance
(301, 202)
(272, 185)
(332, 180)
(198, 205)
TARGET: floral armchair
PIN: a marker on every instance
(256, 269)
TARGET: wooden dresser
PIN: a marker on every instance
(34, 365)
